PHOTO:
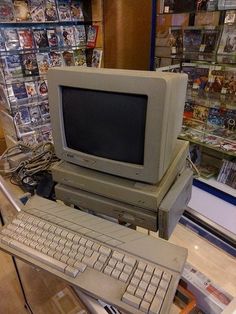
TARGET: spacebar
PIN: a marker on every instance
(38, 255)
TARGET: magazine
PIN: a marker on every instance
(204, 5)
(56, 59)
(37, 10)
(11, 39)
(68, 36)
(209, 40)
(77, 10)
(29, 64)
(40, 37)
(192, 39)
(80, 57)
(30, 89)
(96, 58)
(92, 36)
(63, 9)
(50, 11)
(68, 58)
(43, 61)
(22, 11)
(6, 11)
(80, 35)
(228, 40)
(26, 38)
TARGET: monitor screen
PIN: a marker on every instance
(105, 124)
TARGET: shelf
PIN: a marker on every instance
(218, 149)
(217, 189)
(188, 57)
(218, 185)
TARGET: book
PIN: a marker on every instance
(77, 10)
(11, 39)
(40, 37)
(68, 36)
(43, 61)
(31, 89)
(56, 59)
(80, 57)
(176, 40)
(6, 11)
(29, 64)
(68, 58)
(64, 10)
(209, 40)
(92, 36)
(42, 87)
(192, 39)
(19, 90)
(207, 18)
(22, 10)
(53, 37)
(26, 38)
(37, 10)
(80, 35)
(96, 58)
(227, 43)
(50, 11)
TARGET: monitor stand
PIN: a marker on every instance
(138, 203)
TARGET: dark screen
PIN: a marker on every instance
(105, 124)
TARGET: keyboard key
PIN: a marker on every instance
(71, 271)
(131, 300)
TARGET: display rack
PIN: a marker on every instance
(40, 35)
(200, 43)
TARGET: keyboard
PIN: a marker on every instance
(134, 272)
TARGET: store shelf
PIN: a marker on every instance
(220, 190)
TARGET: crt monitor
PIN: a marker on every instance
(122, 122)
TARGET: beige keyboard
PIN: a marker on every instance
(92, 260)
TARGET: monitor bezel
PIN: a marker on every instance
(121, 81)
